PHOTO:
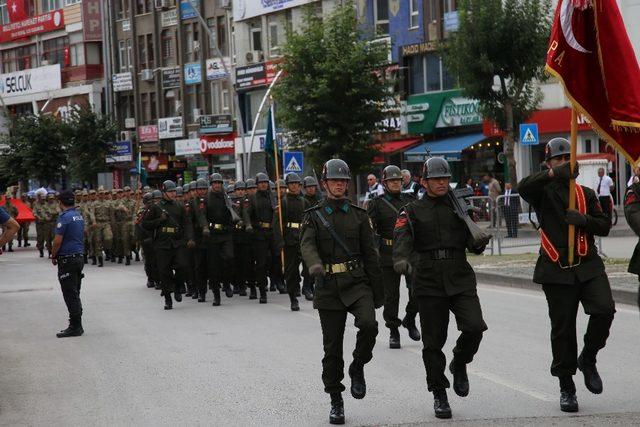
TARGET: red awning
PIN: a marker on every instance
(549, 122)
(391, 147)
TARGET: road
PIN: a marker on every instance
(250, 364)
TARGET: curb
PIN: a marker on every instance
(621, 296)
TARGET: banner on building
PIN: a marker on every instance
(171, 78)
(245, 9)
(256, 75)
(192, 73)
(170, 127)
(216, 123)
(217, 144)
(215, 69)
(169, 18)
(122, 82)
(459, 111)
(187, 147)
(186, 8)
(147, 133)
(91, 20)
(155, 162)
(31, 81)
(119, 151)
(44, 23)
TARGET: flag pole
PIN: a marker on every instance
(572, 182)
(277, 164)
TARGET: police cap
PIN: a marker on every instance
(67, 198)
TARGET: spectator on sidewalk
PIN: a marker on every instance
(603, 187)
(374, 189)
(510, 210)
(493, 191)
(9, 228)
(409, 186)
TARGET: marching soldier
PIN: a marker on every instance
(337, 245)
(241, 242)
(383, 212)
(23, 233)
(252, 188)
(103, 236)
(566, 286)
(199, 204)
(114, 204)
(40, 213)
(190, 271)
(173, 234)
(430, 234)
(146, 241)
(52, 214)
(90, 226)
(632, 214)
(121, 233)
(293, 207)
(86, 210)
(312, 196)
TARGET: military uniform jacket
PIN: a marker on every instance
(102, 211)
(319, 247)
(174, 230)
(293, 207)
(632, 214)
(141, 233)
(312, 200)
(240, 235)
(195, 206)
(40, 212)
(259, 212)
(383, 220)
(550, 199)
(216, 217)
(424, 228)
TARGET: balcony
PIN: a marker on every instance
(82, 73)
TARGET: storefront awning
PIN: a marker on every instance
(393, 146)
(449, 148)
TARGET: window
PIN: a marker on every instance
(221, 36)
(153, 116)
(143, 6)
(144, 108)
(168, 53)
(70, 2)
(4, 13)
(21, 58)
(122, 55)
(274, 45)
(381, 13)
(427, 73)
(215, 98)
(256, 39)
(56, 51)
(170, 102)
(145, 51)
(50, 5)
(414, 14)
(416, 75)
(225, 101)
(122, 9)
(129, 55)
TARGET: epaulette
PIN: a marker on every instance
(358, 207)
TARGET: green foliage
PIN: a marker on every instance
(333, 92)
(502, 42)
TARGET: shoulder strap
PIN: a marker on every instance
(333, 233)
(384, 199)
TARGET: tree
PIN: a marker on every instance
(499, 53)
(334, 89)
(89, 135)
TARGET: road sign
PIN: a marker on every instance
(529, 134)
(293, 161)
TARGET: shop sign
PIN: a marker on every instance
(148, 133)
(459, 112)
(122, 82)
(170, 127)
(119, 151)
(45, 23)
(31, 81)
(155, 162)
(171, 77)
(217, 144)
(255, 75)
(91, 20)
(169, 18)
(126, 25)
(217, 123)
(187, 147)
(186, 8)
(391, 123)
(451, 21)
(419, 48)
(192, 73)
(245, 9)
(130, 123)
(215, 69)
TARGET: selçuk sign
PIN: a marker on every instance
(31, 81)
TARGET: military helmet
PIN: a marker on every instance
(336, 169)
(310, 181)
(168, 185)
(436, 167)
(179, 190)
(146, 188)
(201, 184)
(272, 185)
(391, 172)
(157, 194)
(292, 178)
(557, 147)
(251, 183)
(231, 188)
(215, 177)
(147, 197)
(193, 185)
(186, 188)
(92, 191)
(127, 188)
(240, 185)
(281, 182)
(262, 177)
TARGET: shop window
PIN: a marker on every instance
(414, 14)
(381, 16)
(167, 41)
(51, 5)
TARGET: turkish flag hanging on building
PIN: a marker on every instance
(17, 11)
(590, 53)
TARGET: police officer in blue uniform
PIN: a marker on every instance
(67, 253)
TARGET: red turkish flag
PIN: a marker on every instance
(17, 10)
(590, 53)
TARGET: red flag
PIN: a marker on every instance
(16, 10)
(590, 53)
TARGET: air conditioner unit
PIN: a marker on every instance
(224, 4)
(197, 112)
(146, 74)
(255, 56)
(125, 135)
(275, 51)
(196, 46)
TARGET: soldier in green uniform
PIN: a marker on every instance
(115, 215)
(241, 241)
(52, 214)
(632, 214)
(103, 236)
(90, 227)
(39, 212)
(86, 210)
(566, 286)
(312, 196)
(146, 241)
(429, 234)
(383, 212)
(258, 218)
(293, 207)
(337, 245)
(173, 234)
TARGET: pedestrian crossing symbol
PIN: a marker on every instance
(293, 161)
(529, 134)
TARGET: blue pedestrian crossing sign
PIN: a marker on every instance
(529, 134)
(293, 161)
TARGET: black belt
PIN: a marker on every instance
(342, 267)
(61, 257)
(439, 254)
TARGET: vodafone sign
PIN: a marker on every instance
(217, 144)
(31, 26)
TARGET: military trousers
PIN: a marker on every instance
(168, 261)
(292, 260)
(434, 323)
(241, 263)
(200, 269)
(262, 250)
(563, 300)
(391, 281)
(149, 256)
(23, 232)
(42, 235)
(70, 278)
(219, 258)
(102, 238)
(333, 327)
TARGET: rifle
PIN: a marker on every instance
(461, 206)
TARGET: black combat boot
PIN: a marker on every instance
(243, 290)
(177, 295)
(308, 293)
(394, 338)
(216, 295)
(41, 253)
(568, 399)
(336, 416)
(137, 255)
(202, 296)
(10, 247)
(19, 243)
(227, 290)
(294, 302)
(252, 291)
(100, 262)
(410, 324)
(263, 295)
(441, 404)
(168, 303)
(587, 364)
(281, 288)
(120, 260)
(94, 261)
(85, 258)
(272, 285)
(74, 329)
(358, 384)
(127, 261)
(460, 378)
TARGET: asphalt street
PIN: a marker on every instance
(248, 364)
